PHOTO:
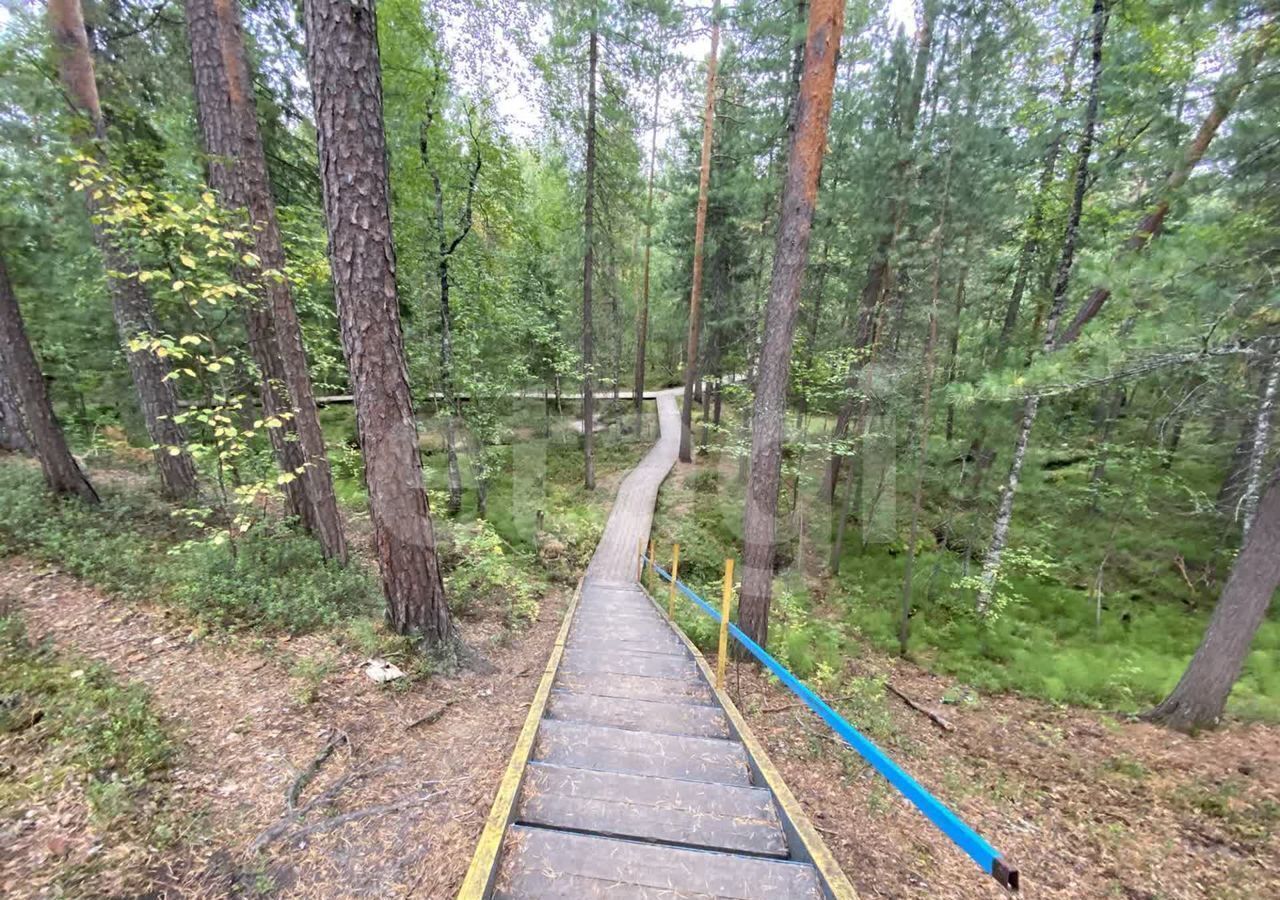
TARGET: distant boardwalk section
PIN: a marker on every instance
(633, 778)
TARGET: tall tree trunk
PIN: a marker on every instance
(917, 500)
(699, 238)
(13, 430)
(878, 275)
(130, 302)
(1200, 697)
(588, 269)
(18, 367)
(1152, 222)
(1030, 248)
(953, 342)
(445, 248)
(237, 170)
(346, 83)
(1261, 443)
(1062, 280)
(799, 198)
(642, 317)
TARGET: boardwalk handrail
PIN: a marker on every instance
(933, 809)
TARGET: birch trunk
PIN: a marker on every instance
(588, 270)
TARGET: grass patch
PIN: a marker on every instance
(82, 723)
(273, 578)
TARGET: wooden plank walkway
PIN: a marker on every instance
(634, 779)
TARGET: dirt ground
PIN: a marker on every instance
(394, 810)
(1084, 803)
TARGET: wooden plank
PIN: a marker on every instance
(638, 687)
(581, 659)
(639, 715)
(584, 746)
(694, 813)
(484, 862)
(560, 865)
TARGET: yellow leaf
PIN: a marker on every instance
(207, 198)
(214, 367)
(188, 261)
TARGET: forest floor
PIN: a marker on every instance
(1085, 803)
(393, 811)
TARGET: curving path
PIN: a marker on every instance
(639, 783)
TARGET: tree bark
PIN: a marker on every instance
(642, 317)
(1062, 280)
(878, 274)
(699, 238)
(346, 83)
(588, 269)
(1261, 443)
(237, 170)
(19, 368)
(1152, 222)
(13, 430)
(799, 198)
(1200, 697)
(130, 302)
(917, 500)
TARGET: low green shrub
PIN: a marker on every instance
(105, 730)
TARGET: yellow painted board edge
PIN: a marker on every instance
(837, 883)
(484, 862)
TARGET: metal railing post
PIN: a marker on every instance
(675, 573)
(726, 598)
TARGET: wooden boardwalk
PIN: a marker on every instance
(634, 778)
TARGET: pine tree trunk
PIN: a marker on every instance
(19, 368)
(1200, 697)
(588, 270)
(642, 317)
(346, 83)
(799, 198)
(926, 420)
(130, 302)
(237, 170)
(699, 238)
(1062, 280)
(13, 430)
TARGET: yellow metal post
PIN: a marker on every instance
(675, 573)
(640, 560)
(652, 563)
(724, 623)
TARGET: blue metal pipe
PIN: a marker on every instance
(934, 810)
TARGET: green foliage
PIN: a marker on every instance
(483, 571)
(106, 732)
(272, 578)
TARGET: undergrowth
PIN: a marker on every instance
(84, 725)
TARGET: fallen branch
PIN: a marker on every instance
(432, 717)
(769, 710)
(923, 710)
(324, 798)
(336, 738)
(356, 815)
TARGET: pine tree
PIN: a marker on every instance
(237, 170)
(799, 199)
(346, 82)
(18, 367)
(131, 304)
